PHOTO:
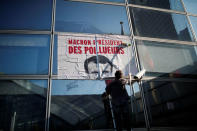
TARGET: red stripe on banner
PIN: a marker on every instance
(107, 82)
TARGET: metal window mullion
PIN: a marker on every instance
(23, 77)
(164, 40)
(168, 79)
(132, 35)
(190, 25)
(138, 66)
(134, 47)
(190, 14)
(48, 104)
(98, 2)
(24, 32)
(146, 78)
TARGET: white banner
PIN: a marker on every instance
(78, 55)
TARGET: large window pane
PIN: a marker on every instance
(149, 23)
(161, 58)
(194, 23)
(23, 14)
(172, 104)
(22, 105)
(90, 18)
(190, 6)
(77, 105)
(24, 54)
(165, 4)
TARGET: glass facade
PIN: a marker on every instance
(190, 6)
(162, 38)
(23, 15)
(194, 23)
(164, 4)
(155, 64)
(90, 18)
(149, 23)
(24, 54)
(23, 104)
(168, 99)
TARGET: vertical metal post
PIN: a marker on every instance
(112, 113)
(13, 122)
(97, 59)
(144, 105)
(48, 103)
(138, 66)
(131, 90)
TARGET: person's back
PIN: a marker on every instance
(118, 91)
(120, 101)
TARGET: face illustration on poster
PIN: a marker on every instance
(105, 66)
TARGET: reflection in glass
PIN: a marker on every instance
(172, 58)
(22, 14)
(165, 4)
(23, 102)
(90, 18)
(24, 54)
(77, 87)
(194, 23)
(172, 103)
(78, 104)
(190, 6)
(149, 23)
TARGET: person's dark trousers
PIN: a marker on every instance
(118, 120)
(122, 117)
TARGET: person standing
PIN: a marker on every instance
(120, 101)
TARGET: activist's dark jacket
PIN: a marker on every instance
(118, 92)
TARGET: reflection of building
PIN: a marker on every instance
(29, 58)
(78, 111)
(172, 103)
(184, 34)
(21, 105)
(153, 23)
(157, 24)
(73, 111)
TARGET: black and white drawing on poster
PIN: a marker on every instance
(78, 55)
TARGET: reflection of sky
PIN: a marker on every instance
(24, 54)
(82, 87)
(180, 21)
(194, 23)
(190, 6)
(176, 5)
(177, 19)
(77, 87)
(22, 14)
(90, 18)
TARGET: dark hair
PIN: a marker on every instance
(101, 59)
(118, 74)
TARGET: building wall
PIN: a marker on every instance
(32, 97)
